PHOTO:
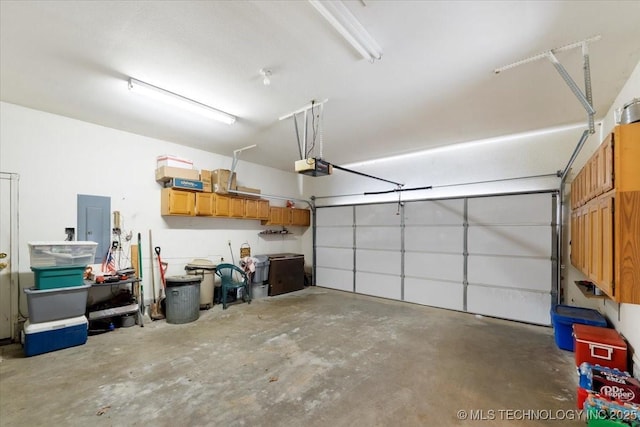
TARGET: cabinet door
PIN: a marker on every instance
(301, 217)
(263, 209)
(606, 230)
(221, 204)
(204, 204)
(606, 162)
(236, 207)
(276, 215)
(177, 202)
(596, 172)
(251, 208)
(595, 241)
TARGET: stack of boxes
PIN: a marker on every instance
(57, 303)
(609, 394)
(176, 172)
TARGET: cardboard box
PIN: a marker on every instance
(167, 173)
(220, 180)
(255, 191)
(174, 162)
(185, 184)
(205, 177)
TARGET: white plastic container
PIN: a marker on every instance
(59, 253)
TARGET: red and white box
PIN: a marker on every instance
(599, 346)
(174, 162)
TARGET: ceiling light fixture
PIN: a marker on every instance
(179, 101)
(349, 27)
(266, 74)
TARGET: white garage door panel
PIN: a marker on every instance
(434, 239)
(378, 238)
(510, 272)
(434, 293)
(434, 212)
(341, 237)
(335, 258)
(378, 261)
(519, 209)
(529, 240)
(334, 279)
(384, 214)
(434, 266)
(524, 306)
(379, 285)
(342, 215)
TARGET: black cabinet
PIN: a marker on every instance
(286, 273)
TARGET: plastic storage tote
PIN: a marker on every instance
(58, 277)
(63, 253)
(564, 316)
(51, 336)
(46, 305)
(182, 299)
(601, 346)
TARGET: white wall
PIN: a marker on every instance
(626, 317)
(58, 158)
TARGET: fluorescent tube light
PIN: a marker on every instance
(349, 27)
(176, 100)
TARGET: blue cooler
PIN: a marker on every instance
(563, 318)
(51, 336)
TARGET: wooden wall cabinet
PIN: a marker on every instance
(205, 205)
(176, 202)
(256, 209)
(189, 203)
(236, 207)
(288, 216)
(605, 217)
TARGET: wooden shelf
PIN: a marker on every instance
(587, 289)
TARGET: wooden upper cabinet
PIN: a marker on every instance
(251, 208)
(222, 205)
(301, 217)
(236, 207)
(176, 202)
(606, 214)
(288, 216)
(204, 204)
(263, 209)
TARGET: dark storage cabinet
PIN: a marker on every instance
(286, 273)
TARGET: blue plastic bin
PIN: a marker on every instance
(564, 316)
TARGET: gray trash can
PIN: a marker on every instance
(182, 299)
(262, 269)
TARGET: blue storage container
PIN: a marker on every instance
(564, 316)
(44, 337)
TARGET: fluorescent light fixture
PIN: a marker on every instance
(349, 27)
(176, 100)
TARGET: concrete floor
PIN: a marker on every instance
(316, 357)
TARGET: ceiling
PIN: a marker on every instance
(433, 86)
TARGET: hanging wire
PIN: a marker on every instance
(321, 128)
(295, 124)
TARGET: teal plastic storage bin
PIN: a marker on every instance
(563, 318)
(58, 277)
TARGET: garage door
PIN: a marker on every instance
(486, 255)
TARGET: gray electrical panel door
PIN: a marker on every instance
(94, 222)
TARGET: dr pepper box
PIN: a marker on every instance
(612, 383)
